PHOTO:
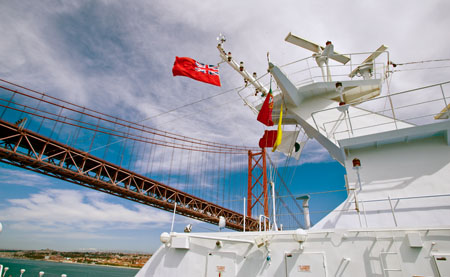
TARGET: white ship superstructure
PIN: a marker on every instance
(395, 148)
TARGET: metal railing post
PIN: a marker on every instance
(393, 112)
(392, 210)
(243, 214)
(443, 95)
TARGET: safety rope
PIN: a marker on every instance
(418, 62)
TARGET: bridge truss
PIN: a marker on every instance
(32, 151)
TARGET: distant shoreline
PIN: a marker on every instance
(62, 262)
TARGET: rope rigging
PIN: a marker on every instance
(163, 136)
(419, 62)
(188, 104)
(424, 68)
(207, 169)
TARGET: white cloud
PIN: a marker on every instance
(30, 179)
(116, 57)
(66, 211)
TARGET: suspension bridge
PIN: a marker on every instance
(200, 179)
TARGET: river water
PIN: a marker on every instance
(52, 269)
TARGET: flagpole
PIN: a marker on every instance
(273, 205)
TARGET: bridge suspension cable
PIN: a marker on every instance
(124, 158)
(163, 139)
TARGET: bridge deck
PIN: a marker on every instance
(35, 152)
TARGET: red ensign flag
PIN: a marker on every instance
(188, 67)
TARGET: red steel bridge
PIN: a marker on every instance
(51, 136)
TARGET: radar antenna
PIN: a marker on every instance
(365, 69)
(321, 54)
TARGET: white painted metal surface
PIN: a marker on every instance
(395, 221)
(353, 252)
(221, 264)
(443, 264)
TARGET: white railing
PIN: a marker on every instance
(401, 209)
(391, 211)
(395, 111)
(266, 220)
(306, 71)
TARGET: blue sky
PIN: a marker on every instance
(116, 57)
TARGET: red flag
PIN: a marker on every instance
(269, 138)
(265, 114)
(201, 72)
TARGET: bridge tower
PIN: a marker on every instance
(257, 170)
